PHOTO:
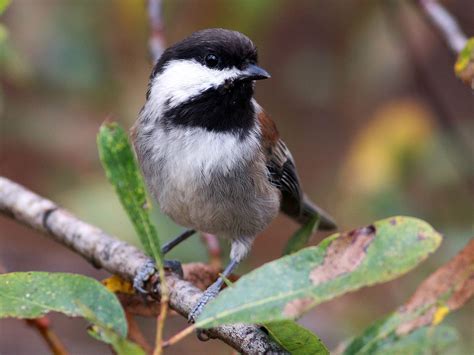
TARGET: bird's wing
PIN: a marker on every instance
(283, 174)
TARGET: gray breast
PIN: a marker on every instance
(214, 183)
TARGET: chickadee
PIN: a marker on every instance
(210, 154)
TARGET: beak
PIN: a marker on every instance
(253, 72)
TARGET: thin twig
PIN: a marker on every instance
(180, 336)
(445, 24)
(160, 324)
(42, 325)
(118, 257)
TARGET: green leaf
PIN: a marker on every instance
(428, 340)
(122, 346)
(289, 286)
(465, 56)
(299, 240)
(124, 174)
(3, 5)
(102, 332)
(425, 340)
(33, 294)
(289, 334)
(297, 340)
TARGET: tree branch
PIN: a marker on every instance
(445, 24)
(117, 257)
(432, 93)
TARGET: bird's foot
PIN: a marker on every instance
(148, 269)
(174, 266)
(207, 296)
(143, 275)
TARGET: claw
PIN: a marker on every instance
(149, 268)
(173, 266)
(142, 276)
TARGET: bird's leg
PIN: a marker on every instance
(148, 269)
(239, 249)
(180, 238)
(211, 291)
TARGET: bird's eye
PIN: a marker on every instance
(211, 60)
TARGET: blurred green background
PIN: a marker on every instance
(378, 127)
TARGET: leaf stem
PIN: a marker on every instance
(164, 303)
(54, 343)
(179, 336)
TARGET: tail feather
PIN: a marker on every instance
(309, 210)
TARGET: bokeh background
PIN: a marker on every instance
(363, 93)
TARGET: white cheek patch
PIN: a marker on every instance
(182, 79)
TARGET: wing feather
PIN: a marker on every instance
(282, 174)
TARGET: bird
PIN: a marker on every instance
(210, 155)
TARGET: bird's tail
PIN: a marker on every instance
(309, 210)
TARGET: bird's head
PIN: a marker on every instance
(211, 71)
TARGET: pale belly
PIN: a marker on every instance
(241, 203)
(214, 183)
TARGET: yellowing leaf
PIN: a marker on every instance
(414, 326)
(439, 315)
(117, 284)
(464, 67)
